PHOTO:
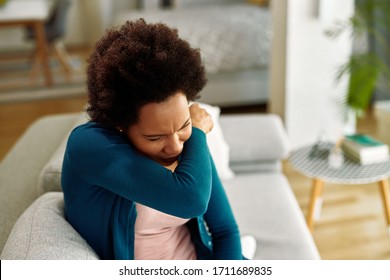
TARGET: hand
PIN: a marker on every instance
(200, 118)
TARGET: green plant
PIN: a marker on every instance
(367, 71)
(3, 2)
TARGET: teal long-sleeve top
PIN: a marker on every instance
(103, 175)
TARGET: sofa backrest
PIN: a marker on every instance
(257, 142)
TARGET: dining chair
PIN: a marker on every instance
(55, 30)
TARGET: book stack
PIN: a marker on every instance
(365, 149)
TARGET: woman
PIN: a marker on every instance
(138, 179)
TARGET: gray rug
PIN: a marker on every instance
(16, 84)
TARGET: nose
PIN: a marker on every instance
(173, 146)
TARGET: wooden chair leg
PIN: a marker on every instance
(64, 58)
(43, 50)
(316, 193)
(384, 187)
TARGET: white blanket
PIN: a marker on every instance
(230, 37)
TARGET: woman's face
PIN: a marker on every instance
(162, 129)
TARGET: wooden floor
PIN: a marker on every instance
(352, 223)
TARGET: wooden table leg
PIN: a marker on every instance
(42, 50)
(316, 192)
(384, 186)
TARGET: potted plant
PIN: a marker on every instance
(368, 71)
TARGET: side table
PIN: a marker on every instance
(315, 166)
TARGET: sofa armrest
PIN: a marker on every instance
(20, 169)
(264, 137)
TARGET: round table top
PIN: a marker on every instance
(314, 164)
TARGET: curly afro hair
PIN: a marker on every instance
(139, 63)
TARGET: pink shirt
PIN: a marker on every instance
(159, 236)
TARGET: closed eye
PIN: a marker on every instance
(186, 124)
(154, 139)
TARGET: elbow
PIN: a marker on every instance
(201, 208)
(195, 195)
(196, 206)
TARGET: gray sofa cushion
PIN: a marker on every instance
(42, 233)
(265, 207)
(255, 138)
(50, 177)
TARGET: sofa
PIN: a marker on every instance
(32, 223)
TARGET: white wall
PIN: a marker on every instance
(303, 84)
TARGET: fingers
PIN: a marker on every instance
(201, 118)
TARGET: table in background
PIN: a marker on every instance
(31, 13)
(315, 165)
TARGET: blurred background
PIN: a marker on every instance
(294, 58)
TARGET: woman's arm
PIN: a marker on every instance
(105, 158)
(222, 224)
